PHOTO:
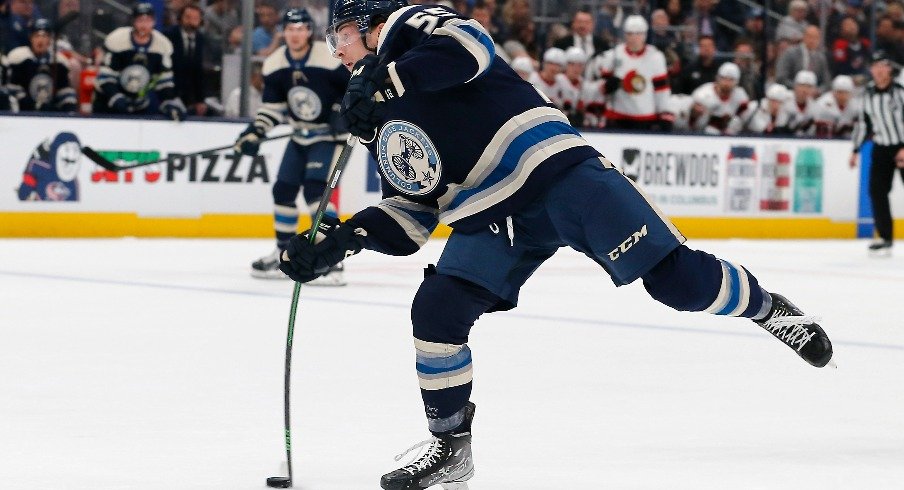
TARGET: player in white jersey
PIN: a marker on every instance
(545, 79)
(799, 106)
(768, 115)
(636, 81)
(571, 85)
(729, 100)
(523, 66)
(691, 111)
(835, 113)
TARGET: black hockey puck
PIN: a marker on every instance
(279, 482)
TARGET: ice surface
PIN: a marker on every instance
(157, 364)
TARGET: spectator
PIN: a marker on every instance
(234, 41)
(555, 33)
(702, 23)
(255, 91)
(137, 62)
(666, 41)
(188, 59)
(173, 9)
(850, 51)
(582, 36)
(220, 17)
(753, 30)
(38, 82)
(523, 66)
(792, 25)
(482, 14)
(800, 105)
(73, 31)
(526, 34)
(728, 100)
(804, 56)
(545, 79)
(499, 31)
(635, 81)
(675, 11)
(266, 37)
(835, 113)
(887, 39)
(608, 20)
(14, 25)
(745, 58)
(703, 69)
(769, 115)
(517, 12)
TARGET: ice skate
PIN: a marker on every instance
(446, 461)
(267, 267)
(880, 248)
(334, 278)
(798, 331)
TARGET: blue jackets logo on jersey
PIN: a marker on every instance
(41, 88)
(408, 158)
(135, 78)
(304, 103)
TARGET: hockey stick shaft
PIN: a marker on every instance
(333, 181)
(97, 158)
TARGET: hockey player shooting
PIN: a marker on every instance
(516, 182)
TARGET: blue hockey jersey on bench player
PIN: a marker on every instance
(466, 141)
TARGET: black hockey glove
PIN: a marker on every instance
(612, 85)
(174, 109)
(121, 104)
(334, 242)
(249, 142)
(359, 109)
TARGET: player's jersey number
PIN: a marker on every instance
(427, 19)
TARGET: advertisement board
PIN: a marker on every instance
(711, 186)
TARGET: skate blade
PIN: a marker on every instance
(831, 364)
(328, 282)
(880, 254)
(459, 485)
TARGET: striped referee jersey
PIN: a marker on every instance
(882, 116)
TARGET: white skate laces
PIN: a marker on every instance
(791, 330)
(421, 462)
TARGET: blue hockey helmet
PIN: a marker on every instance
(143, 8)
(40, 25)
(298, 16)
(360, 12)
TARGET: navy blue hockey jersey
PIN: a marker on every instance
(307, 90)
(466, 142)
(133, 71)
(38, 84)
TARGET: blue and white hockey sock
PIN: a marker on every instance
(691, 280)
(285, 223)
(445, 375)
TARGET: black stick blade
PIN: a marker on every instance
(98, 159)
(279, 482)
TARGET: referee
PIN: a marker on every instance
(882, 118)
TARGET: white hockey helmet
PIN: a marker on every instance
(575, 54)
(635, 24)
(522, 64)
(729, 70)
(778, 92)
(555, 56)
(843, 83)
(805, 77)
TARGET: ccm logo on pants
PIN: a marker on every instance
(628, 243)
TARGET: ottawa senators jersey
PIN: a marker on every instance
(644, 90)
(830, 120)
(722, 108)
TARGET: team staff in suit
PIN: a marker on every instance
(189, 44)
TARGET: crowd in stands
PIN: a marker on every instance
(668, 65)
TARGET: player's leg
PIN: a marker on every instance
(285, 211)
(881, 174)
(320, 158)
(477, 273)
(603, 214)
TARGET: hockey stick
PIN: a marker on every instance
(96, 157)
(282, 481)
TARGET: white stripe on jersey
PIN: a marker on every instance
(458, 29)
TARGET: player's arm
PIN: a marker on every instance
(442, 49)
(171, 105)
(65, 99)
(271, 113)
(397, 226)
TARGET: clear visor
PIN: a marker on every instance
(338, 37)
